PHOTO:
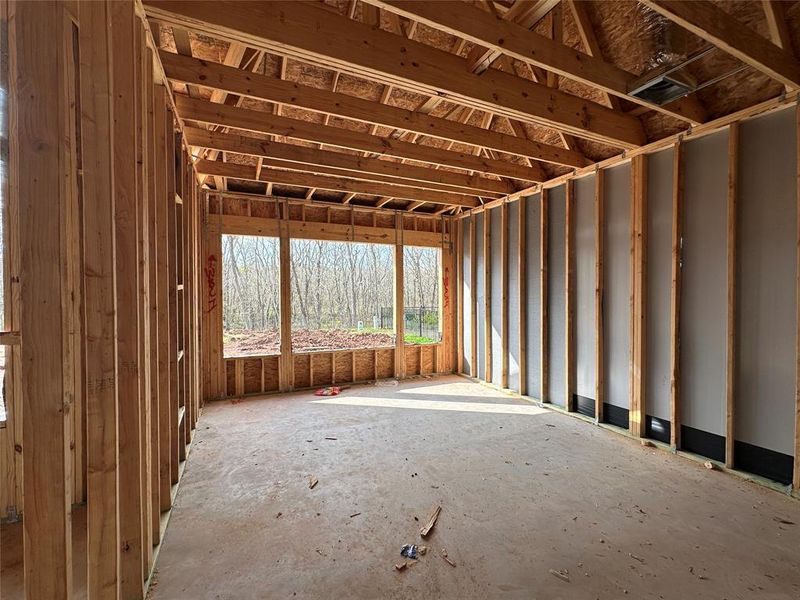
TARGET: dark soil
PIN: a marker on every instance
(248, 343)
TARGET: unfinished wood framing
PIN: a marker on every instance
(487, 293)
(730, 311)
(599, 279)
(570, 365)
(637, 410)
(675, 296)
(522, 279)
(796, 479)
(143, 131)
(544, 330)
(504, 295)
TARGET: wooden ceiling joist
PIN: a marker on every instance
(731, 35)
(336, 184)
(216, 76)
(518, 42)
(370, 168)
(262, 122)
(311, 33)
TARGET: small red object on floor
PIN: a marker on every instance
(332, 390)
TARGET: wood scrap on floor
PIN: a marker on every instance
(447, 558)
(312, 481)
(562, 575)
(426, 529)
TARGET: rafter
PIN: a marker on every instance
(294, 28)
(335, 184)
(589, 40)
(216, 76)
(734, 37)
(483, 28)
(369, 168)
(262, 122)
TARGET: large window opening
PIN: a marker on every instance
(421, 295)
(251, 309)
(340, 291)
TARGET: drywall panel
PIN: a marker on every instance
(585, 269)
(466, 286)
(766, 298)
(616, 291)
(657, 293)
(703, 289)
(514, 324)
(496, 298)
(480, 293)
(556, 295)
(533, 325)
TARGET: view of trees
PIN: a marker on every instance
(337, 285)
(341, 294)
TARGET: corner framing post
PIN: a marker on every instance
(458, 227)
(675, 297)
(731, 241)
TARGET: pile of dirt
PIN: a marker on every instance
(249, 343)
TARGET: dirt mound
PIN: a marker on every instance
(242, 343)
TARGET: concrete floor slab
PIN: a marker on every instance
(524, 492)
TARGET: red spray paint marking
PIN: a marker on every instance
(211, 281)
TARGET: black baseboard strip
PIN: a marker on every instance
(760, 461)
(616, 415)
(584, 405)
(703, 443)
(657, 429)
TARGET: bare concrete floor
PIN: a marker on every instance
(523, 491)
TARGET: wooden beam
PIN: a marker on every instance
(399, 299)
(458, 229)
(731, 242)
(776, 23)
(487, 293)
(102, 538)
(599, 279)
(796, 476)
(570, 368)
(589, 40)
(126, 207)
(293, 28)
(522, 278)
(544, 329)
(504, 295)
(473, 299)
(286, 359)
(289, 93)
(42, 158)
(637, 412)
(163, 129)
(337, 162)
(713, 24)
(675, 296)
(480, 27)
(263, 122)
(325, 182)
